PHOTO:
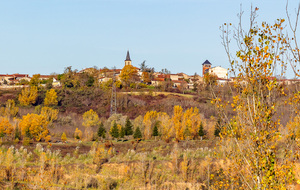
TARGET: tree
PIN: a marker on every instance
(35, 80)
(101, 131)
(137, 133)
(253, 131)
(210, 80)
(90, 118)
(28, 96)
(5, 127)
(50, 114)
(177, 122)
(64, 137)
(68, 79)
(201, 131)
(122, 132)
(128, 127)
(78, 134)
(10, 109)
(34, 126)
(114, 131)
(155, 130)
(51, 98)
(149, 120)
(129, 74)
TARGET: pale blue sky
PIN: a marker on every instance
(45, 36)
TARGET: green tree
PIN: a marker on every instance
(201, 131)
(128, 127)
(155, 129)
(137, 133)
(101, 131)
(122, 132)
(114, 131)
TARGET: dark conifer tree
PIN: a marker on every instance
(128, 127)
(137, 133)
(101, 131)
(114, 132)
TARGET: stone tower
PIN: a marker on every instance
(127, 60)
(205, 67)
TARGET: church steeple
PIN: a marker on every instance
(127, 60)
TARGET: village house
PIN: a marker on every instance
(13, 78)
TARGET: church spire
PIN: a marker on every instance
(128, 56)
(128, 60)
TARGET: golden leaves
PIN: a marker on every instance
(51, 98)
(34, 126)
(28, 96)
(90, 118)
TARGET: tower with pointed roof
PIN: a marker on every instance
(205, 67)
(127, 60)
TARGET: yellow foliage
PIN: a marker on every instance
(90, 118)
(64, 137)
(10, 109)
(149, 120)
(34, 125)
(167, 130)
(5, 127)
(177, 122)
(28, 96)
(51, 98)
(47, 138)
(191, 121)
(49, 113)
(129, 74)
(78, 133)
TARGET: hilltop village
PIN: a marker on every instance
(137, 76)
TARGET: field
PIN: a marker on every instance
(123, 165)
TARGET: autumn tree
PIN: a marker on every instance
(35, 80)
(129, 74)
(6, 128)
(149, 121)
(253, 131)
(50, 114)
(64, 137)
(191, 121)
(28, 96)
(166, 129)
(90, 118)
(177, 122)
(51, 98)
(69, 78)
(10, 109)
(78, 134)
(34, 126)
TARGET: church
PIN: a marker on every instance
(219, 71)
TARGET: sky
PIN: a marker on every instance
(45, 36)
